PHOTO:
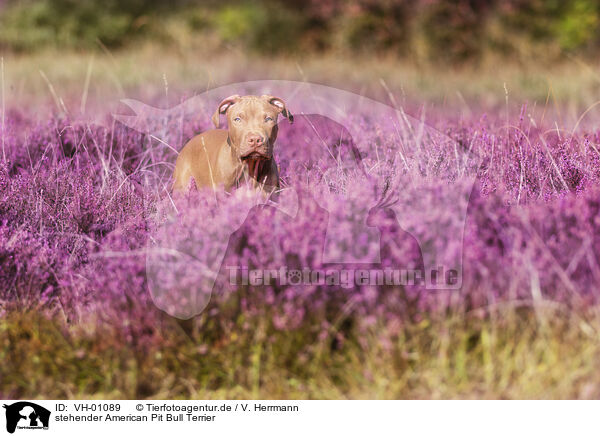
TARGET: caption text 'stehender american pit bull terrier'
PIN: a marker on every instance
(243, 152)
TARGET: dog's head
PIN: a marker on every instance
(252, 122)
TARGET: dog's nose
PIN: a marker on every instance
(255, 140)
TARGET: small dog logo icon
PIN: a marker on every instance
(26, 415)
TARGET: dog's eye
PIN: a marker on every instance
(237, 119)
(267, 119)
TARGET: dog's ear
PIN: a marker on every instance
(222, 108)
(280, 104)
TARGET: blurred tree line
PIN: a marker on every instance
(442, 30)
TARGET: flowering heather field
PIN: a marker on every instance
(85, 216)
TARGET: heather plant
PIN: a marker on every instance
(77, 187)
(94, 247)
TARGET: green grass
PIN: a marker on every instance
(515, 354)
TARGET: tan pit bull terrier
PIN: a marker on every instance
(242, 153)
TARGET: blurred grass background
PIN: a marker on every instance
(462, 54)
(420, 30)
